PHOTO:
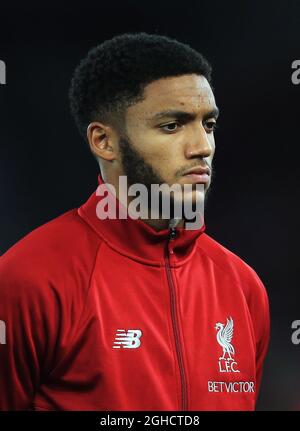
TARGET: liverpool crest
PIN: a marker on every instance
(224, 338)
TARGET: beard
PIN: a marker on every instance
(137, 170)
(135, 167)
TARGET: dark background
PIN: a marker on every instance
(46, 168)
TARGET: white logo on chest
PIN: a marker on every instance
(127, 340)
(224, 338)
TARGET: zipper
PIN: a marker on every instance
(172, 236)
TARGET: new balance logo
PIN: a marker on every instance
(127, 340)
(2, 332)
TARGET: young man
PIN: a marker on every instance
(125, 313)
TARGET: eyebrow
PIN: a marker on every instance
(183, 115)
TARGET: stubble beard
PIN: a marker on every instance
(137, 170)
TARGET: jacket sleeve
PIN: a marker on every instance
(263, 343)
(29, 322)
(259, 305)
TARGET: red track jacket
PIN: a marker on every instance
(113, 315)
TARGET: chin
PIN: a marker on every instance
(191, 201)
(194, 196)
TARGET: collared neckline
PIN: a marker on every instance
(135, 238)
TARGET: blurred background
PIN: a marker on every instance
(253, 209)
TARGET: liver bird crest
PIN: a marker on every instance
(224, 337)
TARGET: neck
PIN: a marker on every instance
(160, 224)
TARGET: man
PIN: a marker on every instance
(125, 313)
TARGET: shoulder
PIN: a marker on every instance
(237, 274)
(232, 266)
(58, 253)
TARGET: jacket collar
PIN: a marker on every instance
(135, 238)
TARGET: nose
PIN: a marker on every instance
(198, 143)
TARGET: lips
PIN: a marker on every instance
(198, 170)
(198, 174)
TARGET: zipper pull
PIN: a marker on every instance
(172, 234)
(172, 226)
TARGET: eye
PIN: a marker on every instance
(211, 126)
(163, 127)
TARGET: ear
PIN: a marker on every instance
(102, 141)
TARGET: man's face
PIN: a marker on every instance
(161, 148)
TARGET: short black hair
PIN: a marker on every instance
(114, 74)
